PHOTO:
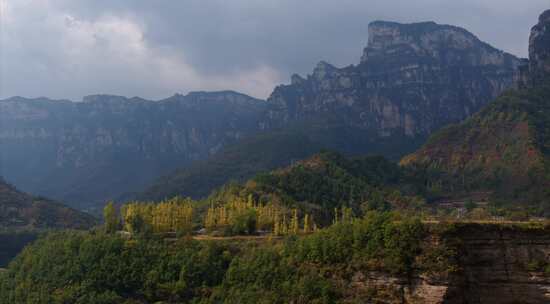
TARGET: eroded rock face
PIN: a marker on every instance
(105, 144)
(412, 79)
(506, 266)
(539, 49)
(496, 264)
(448, 45)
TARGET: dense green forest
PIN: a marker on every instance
(309, 194)
(95, 267)
(329, 181)
(313, 193)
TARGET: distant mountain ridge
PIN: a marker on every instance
(412, 80)
(92, 151)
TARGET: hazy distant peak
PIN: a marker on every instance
(431, 40)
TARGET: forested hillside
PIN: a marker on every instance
(381, 258)
(236, 162)
(502, 150)
(99, 268)
(327, 181)
(505, 149)
(23, 217)
(21, 210)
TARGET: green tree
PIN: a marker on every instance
(110, 216)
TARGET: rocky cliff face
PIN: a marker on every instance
(412, 79)
(492, 264)
(539, 49)
(96, 149)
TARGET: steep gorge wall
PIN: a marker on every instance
(494, 264)
(94, 150)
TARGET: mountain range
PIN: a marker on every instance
(412, 80)
(94, 150)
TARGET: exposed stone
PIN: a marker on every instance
(539, 49)
(443, 43)
(92, 150)
(296, 79)
(496, 266)
(413, 79)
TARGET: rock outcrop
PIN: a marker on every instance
(539, 50)
(412, 79)
(492, 264)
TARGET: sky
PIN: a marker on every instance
(67, 49)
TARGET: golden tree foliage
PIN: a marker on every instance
(268, 217)
(174, 215)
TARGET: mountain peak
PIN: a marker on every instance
(225, 97)
(445, 43)
(103, 98)
(296, 79)
(419, 27)
(322, 69)
(545, 16)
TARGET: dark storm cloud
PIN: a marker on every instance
(71, 48)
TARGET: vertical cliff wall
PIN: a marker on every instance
(412, 79)
(486, 263)
(91, 151)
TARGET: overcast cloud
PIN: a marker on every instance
(153, 49)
